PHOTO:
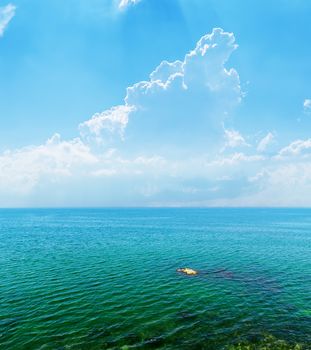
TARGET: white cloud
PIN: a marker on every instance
(307, 105)
(125, 3)
(22, 169)
(113, 120)
(234, 139)
(116, 164)
(181, 107)
(236, 158)
(181, 99)
(205, 64)
(6, 14)
(202, 68)
(166, 70)
(236, 179)
(265, 142)
(187, 97)
(296, 148)
(280, 185)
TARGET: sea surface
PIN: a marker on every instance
(106, 279)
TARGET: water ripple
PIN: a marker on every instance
(106, 279)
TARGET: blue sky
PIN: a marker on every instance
(87, 118)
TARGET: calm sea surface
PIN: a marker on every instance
(106, 278)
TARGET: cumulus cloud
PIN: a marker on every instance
(265, 142)
(166, 70)
(203, 69)
(164, 145)
(187, 97)
(185, 101)
(125, 3)
(6, 14)
(113, 121)
(181, 102)
(22, 169)
(182, 106)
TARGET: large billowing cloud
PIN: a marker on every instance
(6, 14)
(183, 102)
(167, 144)
(187, 101)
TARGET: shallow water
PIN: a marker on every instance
(106, 278)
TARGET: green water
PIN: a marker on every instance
(106, 279)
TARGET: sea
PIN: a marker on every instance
(106, 278)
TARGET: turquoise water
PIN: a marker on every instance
(106, 278)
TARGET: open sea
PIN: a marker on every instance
(106, 279)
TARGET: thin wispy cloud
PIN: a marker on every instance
(234, 139)
(6, 14)
(307, 105)
(123, 4)
(265, 142)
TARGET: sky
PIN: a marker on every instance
(174, 103)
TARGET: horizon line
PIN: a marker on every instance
(158, 207)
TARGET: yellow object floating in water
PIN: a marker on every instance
(187, 271)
